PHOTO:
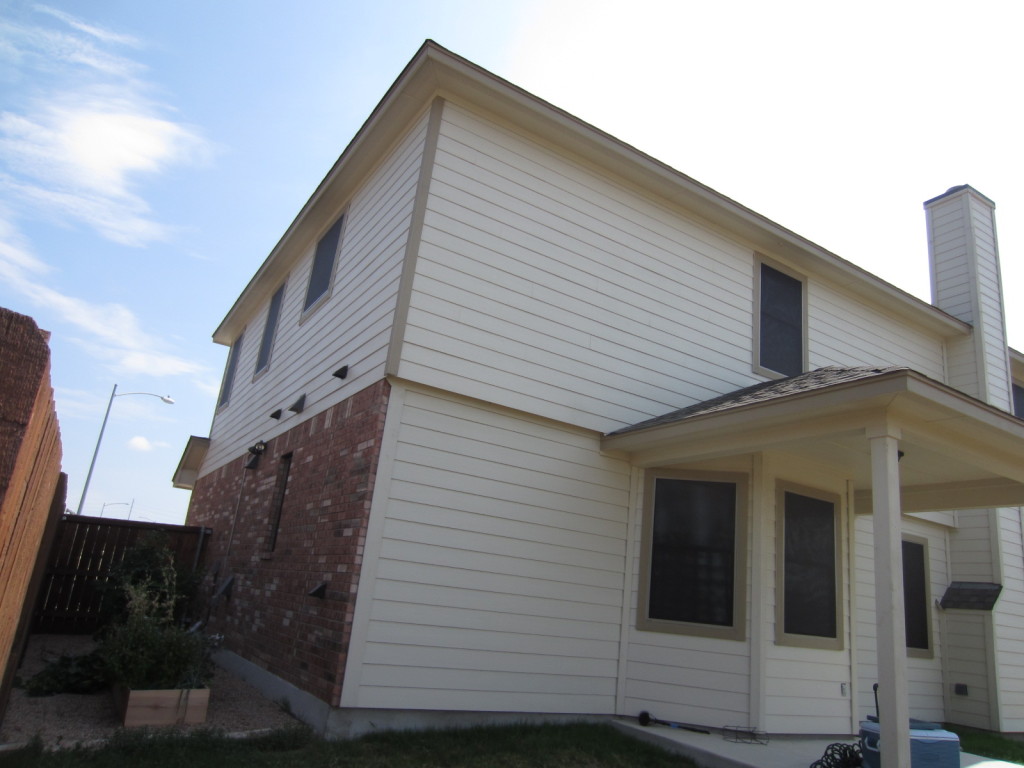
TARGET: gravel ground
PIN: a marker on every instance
(68, 719)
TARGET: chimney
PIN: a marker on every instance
(966, 283)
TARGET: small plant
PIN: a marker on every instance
(69, 674)
(149, 650)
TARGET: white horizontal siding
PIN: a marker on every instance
(1008, 622)
(924, 675)
(546, 287)
(499, 580)
(684, 678)
(843, 330)
(352, 327)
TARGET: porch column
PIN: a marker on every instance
(893, 705)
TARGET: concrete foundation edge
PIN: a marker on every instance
(350, 723)
(305, 706)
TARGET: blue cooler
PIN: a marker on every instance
(930, 746)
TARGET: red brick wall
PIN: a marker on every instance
(30, 456)
(269, 617)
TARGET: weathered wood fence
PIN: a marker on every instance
(83, 554)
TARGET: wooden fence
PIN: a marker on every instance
(84, 552)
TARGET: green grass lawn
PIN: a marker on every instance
(545, 746)
(991, 745)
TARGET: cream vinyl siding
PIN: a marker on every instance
(1008, 619)
(971, 554)
(352, 327)
(924, 675)
(549, 288)
(996, 361)
(499, 581)
(684, 678)
(545, 287)
(802, 685)
(843, 330)
(968, 660)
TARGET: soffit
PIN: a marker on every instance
(958, 451)
(191, 459)
(436, 72)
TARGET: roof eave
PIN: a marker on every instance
(435, 71)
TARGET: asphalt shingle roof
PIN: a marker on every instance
(821, 378)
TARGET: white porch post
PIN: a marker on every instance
(893, 705)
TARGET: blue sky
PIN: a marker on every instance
(151, 154)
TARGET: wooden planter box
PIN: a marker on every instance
(180, 706)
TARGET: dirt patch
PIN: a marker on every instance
(68, 719)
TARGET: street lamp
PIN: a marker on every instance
(113, 393)
(118, 504)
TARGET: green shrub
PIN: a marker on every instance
(148, 649)
(69, 674)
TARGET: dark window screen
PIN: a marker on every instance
(693, 551)
(323, 264)
(782, 337)
(810, 566)
(268, 330)
(1018, 401)
(915, 594)
(284, 468)
(229, 372)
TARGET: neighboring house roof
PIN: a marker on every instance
(435, 72)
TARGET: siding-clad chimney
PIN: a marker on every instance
(966, 283)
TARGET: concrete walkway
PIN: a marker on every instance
(713, 751)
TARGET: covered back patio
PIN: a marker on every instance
(906, 444)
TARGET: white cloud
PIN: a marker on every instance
(46, 49)
(73, 151)
(104, 35)
(77, 148)
(114, 332)
(15, 250)
(140, 443)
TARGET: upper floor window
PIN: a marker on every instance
(229, 372)
(694, 548)
(323, 264)
(809, 588)
(1018, 400)
(267, 342)
(779, 340)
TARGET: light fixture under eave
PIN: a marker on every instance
(341, 373)
(298, 405)
(276, 414)
(255, 452)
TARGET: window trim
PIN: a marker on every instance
(929, 652)
(738, 630)
(1017, 398)
(308, 306)
(790, 638)
(227, 381)
(761, 261)
(270, 331)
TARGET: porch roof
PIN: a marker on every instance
(958, 452)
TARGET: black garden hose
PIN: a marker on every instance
(840, 756)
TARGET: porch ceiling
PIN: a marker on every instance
(959, 452)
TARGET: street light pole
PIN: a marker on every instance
(92, 465)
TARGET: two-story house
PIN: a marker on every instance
(517, 419)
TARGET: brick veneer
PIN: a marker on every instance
(268, 616)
